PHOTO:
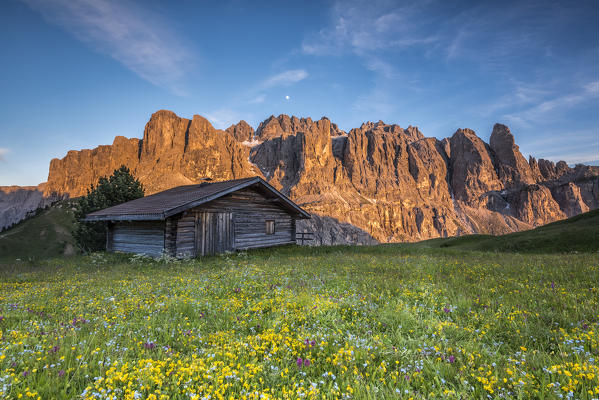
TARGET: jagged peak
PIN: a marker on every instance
(164, 113)
(284, 125)
(464, 132)
(244, 124)
(201, 123)
(501, 135)
(241, 131)
(411, 132)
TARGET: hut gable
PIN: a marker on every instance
(209, 218)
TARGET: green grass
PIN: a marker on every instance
(579, 233)
(380, 322)
(47, 234)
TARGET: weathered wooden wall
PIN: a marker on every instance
(185, 238)
(250, 211)
(215, 233)
(170, 236)
(142, 237)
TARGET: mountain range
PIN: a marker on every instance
(376, 183)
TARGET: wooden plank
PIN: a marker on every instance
(259, 240)
(138, 237)
(262, 245)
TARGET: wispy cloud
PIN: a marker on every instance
(592, 88)
(554, 107)
(254, 95)
(258, 99)
(3, 153)
(285, 78)
(375, 104)
(387, 70)
(517, 94)
(135, 37)
(363, 27)
(222, 118)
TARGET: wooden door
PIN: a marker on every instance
(215, 233)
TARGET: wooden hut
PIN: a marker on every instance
(208, 218)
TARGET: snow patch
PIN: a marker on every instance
(251, 143)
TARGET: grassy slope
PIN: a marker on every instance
(45, 235)
(579, 233)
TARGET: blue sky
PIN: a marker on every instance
(77, 73)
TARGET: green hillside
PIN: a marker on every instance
(48, 234)
(579, 233)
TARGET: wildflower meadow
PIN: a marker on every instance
(289, 323)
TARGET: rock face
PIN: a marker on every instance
(473, 173)
(512, 168)
(174, 151)
(242, 131)
(378, 182)
(17, 202)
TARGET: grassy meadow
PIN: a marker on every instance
(394, 321)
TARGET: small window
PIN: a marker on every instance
(270, 226)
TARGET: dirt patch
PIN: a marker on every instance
(61, 230)
(69, 250)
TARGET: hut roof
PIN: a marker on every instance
(162, 205)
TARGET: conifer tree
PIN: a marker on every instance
(120, 187)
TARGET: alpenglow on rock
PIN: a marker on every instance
(376, 182)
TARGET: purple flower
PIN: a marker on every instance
(300, 362)
(55, 349)
(25, 373)
(306, 363)
(237, 290)
(585, 326)
(77, 321)
(451, 359)
(61, 373)
(313, 343)
(149, 345)
(1, 318)
(552, 285)
(446, 309)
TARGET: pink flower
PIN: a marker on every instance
(300, 362)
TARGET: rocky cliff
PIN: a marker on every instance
(17, 202)
(376, 182)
